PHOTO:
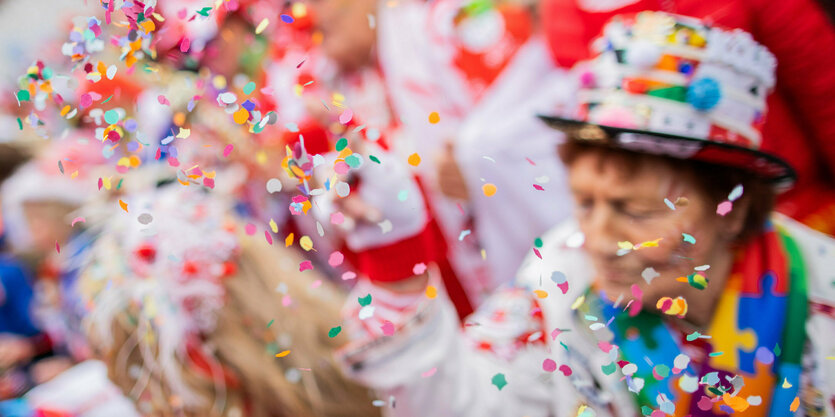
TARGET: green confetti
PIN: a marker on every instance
(537, 242)
(777, 350)
(20, 123)
(119, 185)
(341, 144)
(364, 301)
(108, 99)
(715, 354)
(689, 238)
(353, 160)
(499, 381)
(377, 160)
(693, 336)
(46, 73)
(609, 369)
(270, 323)
(202, 12)
(662, 370)
(334, 331)
(645, 410)
(23, 95)
(249, 88)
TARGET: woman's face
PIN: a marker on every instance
(347, 35)
(614, 206)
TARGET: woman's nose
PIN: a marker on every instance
(600, 232)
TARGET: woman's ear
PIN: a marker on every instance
(734, 221)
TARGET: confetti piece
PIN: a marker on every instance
(540, 293)
(336, 258)
(688, 238)
(261, 26)
(649, 274)
(77, 220)
(240, 116)
(429, 373)
(419, 268)
(287, 18)
(267, 237)
(227, 150)
(672, 306)
(348, 276)
(499, 381)
(387, 328)
(364, 301)
(724, 208)
(431, 292)
(434, 117)
(288, 240)
(669, 204)
(346, 116)
(249, 229)
(488, 189)
(548, 365)
(185, 44)
(306, 243)
(795, 404)
(282, 354)
(57, 247)
(463, 234)
(735, 193)
(305, 265)
(163, 100)
(566, 370)
(578, 302)
(414, 159)
(334, 331)
(123, 205)
(270, 323)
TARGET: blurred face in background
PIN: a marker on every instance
(347, 35)
(618, 202)
(48, 224)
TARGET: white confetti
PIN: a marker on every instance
(273, 185)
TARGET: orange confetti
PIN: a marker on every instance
(288, 241)
(489, 189)
(795, 404)
(282, 354)
(241, 116)
(540, 293)
(123, 205)
(431, 292)
(414, 159)
(434, 117)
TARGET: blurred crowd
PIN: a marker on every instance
(421, 208)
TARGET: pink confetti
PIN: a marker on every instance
(548, 365)
(305, 265)
(387, 328)
(536, 252)
(316, 284)
(346, 116)
(538, 187)
(57, 247)
(419, 269)
(162, 100)
(563, 286)
(555, 333)
(341, 168)
(635, 308)
(348, 276)
(249, 229)
(286, 301)
(530, 162)
(605, 346)
(337, 218)
(336, 258)
(227, 150)
(429, 373)
(566, 370)
(209, 182)
(184, 45)
(86, 100)
(101, 183)
(76, 220)
(268, 237)
(724, 208)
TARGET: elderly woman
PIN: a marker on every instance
(675, 290)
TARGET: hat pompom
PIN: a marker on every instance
(704, 94)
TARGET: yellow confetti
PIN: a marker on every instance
(306, 243)
(299, 10)
(65, 110)
(434, 117)
(261, 26)
(540, 293)
(123, 205)
(414, 159)
(489, 189)
(273, 226)
(625, 245)
(184, 133)
(282, 354)
(578, 302)
(288, 241)
(105, 182)
(786, 383)
(431, 292)
(648, 244)
(241, 116)
(148, 26)
(74, 174)
(483, 254)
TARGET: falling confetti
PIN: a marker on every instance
(488, 189)
(434, 117)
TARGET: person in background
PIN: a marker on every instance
(21, 341)
(674, 290)
(799, 127)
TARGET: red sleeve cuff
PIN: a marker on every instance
(396, 261)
